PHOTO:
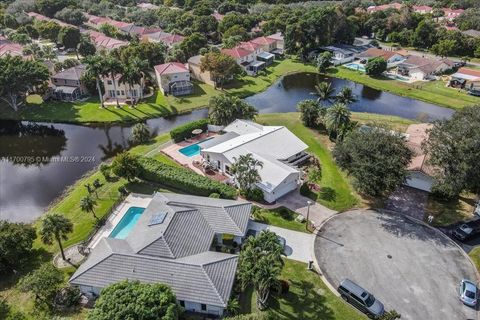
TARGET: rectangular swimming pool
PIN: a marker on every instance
(128, 221)
(193, 149)
(355, 66)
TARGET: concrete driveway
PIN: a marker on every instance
(298, 245)
(409, 267)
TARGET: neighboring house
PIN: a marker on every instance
(245, 58)
(196, 73)
(8, 47)
(41, 17)
(102, 42)
(278, 37)
(119, 90)
(96, 22)
(451, 14)
(276, 147)
(420, 68)
(421, 174)
(466, 78)
(392, 57)
(138, 31)
(147, 6)
(68, 84)
(422, 9)
(250, 46)
(384, 7)
(173, 78)
(340, 55)
(472, 33)
(265, 43)
(171, 244)
(167, 38)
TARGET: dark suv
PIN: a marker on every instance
(361, 299)
(467, 230)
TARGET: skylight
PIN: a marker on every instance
(157, 218)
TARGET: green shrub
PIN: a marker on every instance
(185, 131)
(214, 195)
(183, 179)
(304, 189)
(255, 195)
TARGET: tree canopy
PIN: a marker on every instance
(453, 147)
(126, 165)
(43, 283)
(376, 66)
(376, 158)
(135, 300)
(245, 171)
(220, 66)
(16, 240)
(224, 109)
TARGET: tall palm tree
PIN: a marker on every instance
(87, 204)
(32, 48)
(114, 67)
(245, 171)
(48, 53)
(346, 96)
(324, 92)
(337, 119)
(131, 75)
(55, 227)
(96, 67)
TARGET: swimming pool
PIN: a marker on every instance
(123, 228)
(355, 66)
(193, 149)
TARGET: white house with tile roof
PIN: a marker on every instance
(173, 78)
(170, 243)
(276, 147)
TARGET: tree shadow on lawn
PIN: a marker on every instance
(327, 194)
(303, 301)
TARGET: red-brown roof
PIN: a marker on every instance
(236, 52)
(417, 134)
(383, 7)
(422, 8)
(249, 46)
(172, 39)
(103, 41)
(470, 72)
(171, 67)
(263, 41)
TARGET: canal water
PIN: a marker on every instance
(284, 95)
(39, 160)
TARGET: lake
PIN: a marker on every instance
(39, 160)
(284, 95)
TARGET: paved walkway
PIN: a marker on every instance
(298, 245)
(73, 256)
(298, 203)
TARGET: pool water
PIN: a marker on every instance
(355, 66)
(128, 221)
(192, 150)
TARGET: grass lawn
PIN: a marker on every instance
(336, 192)
(475, 256)
(433, 91)
(308, 298)
(281, 217)
(89, 111)
(248, 85)
(396, 123)
(446, 212)
(68, 205)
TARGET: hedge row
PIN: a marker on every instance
(185, 131)
(183, 179)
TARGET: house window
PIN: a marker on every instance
(182, 303)
(111, 93)
(204, 307)
(123, 93)
(227, 169)
(118, 92)
(55, 80)
(109, 82)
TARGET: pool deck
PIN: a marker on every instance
(173, 152)
(132, 200)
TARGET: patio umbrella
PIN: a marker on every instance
(197, 131)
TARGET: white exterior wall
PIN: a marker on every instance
(217, 160)
(287, 185)
(123, 89)
(250, 58)
(197, 307)
(164, 80)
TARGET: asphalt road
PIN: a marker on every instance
(409, 267)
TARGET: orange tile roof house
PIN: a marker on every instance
(10, 48)
(173, 78)
(421, 173)
(384, 7)
(422, 9)
(101, 41)
(267, 44)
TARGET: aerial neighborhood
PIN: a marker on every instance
(239, 160)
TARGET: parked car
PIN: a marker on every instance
(361, 299)
(468, 293)
(467, 230)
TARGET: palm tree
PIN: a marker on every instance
(324, 91)
(114, 67)
(55, 226)
(337, 119)
(48, 53)
(34, 49)
(346, 96)
(96, 67)
(132, 75)
(245, 171)
(87, 204)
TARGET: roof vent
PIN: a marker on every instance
(157, 218)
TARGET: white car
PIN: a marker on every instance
(468, 293)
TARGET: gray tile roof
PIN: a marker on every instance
(174, 252)
(73, 73)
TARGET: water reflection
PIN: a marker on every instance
(26, 190)
(284, 95)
